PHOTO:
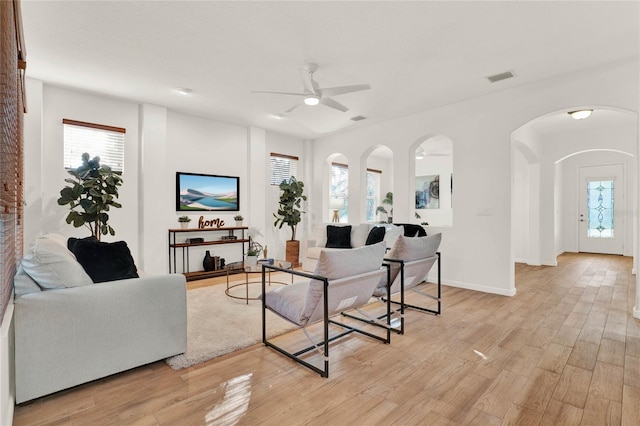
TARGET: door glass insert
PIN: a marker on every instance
(600, 209)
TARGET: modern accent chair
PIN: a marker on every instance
(343, 280)
(410, 260)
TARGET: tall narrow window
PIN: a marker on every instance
(339, 190)
(600, 208)
(283, 167)
(98, 140)
(373, 193)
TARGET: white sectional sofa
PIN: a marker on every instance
(70, 331)
(311, 248)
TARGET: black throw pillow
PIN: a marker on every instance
(376, 235)
(105, 261)
(338, 236)
(72, 241)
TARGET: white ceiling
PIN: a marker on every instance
(415, 55)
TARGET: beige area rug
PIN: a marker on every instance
(218, 324)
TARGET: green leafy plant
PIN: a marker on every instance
(184, 219)
(252, 252)
(93, 191)
(388, 200)
(238, 217)
(289, 212)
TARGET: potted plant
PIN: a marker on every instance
(252, 257)
(238, 218)
(389, 201)
(184, 221)
(93, 191)
(289, 213)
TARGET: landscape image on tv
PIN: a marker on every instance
(198, 192)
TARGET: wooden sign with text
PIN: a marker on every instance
(203, 224)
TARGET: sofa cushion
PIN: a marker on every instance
(51, 265)
(376, 235)
(334, 264)
(105, 261)
(72, 241)
(359, 234)
(338, 236)
(24, 284)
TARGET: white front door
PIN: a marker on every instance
(601, 190)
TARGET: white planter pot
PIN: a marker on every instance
(184, 225)
(251, 261)
(238, 223)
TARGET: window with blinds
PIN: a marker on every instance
(106, 142)
(339, 190)
(12, 65)
(373, 193)
(282, 167)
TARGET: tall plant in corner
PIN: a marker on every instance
(290, 213)
(93, 191)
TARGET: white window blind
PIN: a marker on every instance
(106, 142)
(282, 167)
(339, 189)
(373, 193)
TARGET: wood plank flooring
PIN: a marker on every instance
(564, 351)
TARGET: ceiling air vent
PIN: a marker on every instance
(501, 76)
(358, 118)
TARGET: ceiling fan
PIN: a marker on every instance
(314, 95)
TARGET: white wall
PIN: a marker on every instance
(7, 366)
(477, 250)
(158, 143)
(44, 169)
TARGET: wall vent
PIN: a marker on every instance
(501, 76)
(358, 118)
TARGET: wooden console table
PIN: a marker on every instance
(197, 275)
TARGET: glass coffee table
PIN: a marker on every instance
(241, 267)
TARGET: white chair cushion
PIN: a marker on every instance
(392, 232)
(413, 248)
(52, 265)
(288, 301)
(340, 264)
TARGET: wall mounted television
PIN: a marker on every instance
(200, 192)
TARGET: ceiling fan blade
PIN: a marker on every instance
(292, 108)
(307, 81)
(278, 93)
(334, 91)
(333, 104)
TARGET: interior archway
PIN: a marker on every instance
(376, 181)
(542, 222)
(433, 181)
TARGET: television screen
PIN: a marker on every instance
(199, 192)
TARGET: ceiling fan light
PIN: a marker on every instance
(420, 153)
(580, 114)
(311, 100)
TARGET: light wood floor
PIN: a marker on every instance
(564, 351)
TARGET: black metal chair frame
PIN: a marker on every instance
(324, 372)
(402, 305)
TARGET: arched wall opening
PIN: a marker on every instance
(546, 154)
(433, 180)
(376, 180)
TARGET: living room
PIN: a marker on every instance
(487, 234)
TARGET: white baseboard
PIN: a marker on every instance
(475, 287)
(550, 262)
(7, 379)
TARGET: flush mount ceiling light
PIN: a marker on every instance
(311, 100)
(420, 153)
(278, 116)
(184, 91)
(580, 114)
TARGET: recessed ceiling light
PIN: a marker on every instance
(184, 91)
(580, 114)
(420, 153)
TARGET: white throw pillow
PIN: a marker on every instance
(52, 265)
